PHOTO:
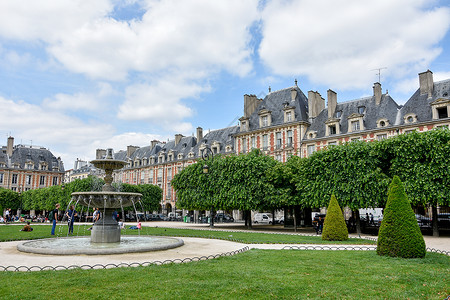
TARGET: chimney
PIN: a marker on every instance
(315, 104)
(178, 138)
(251, 102)
(100, 153)
(426, 83)
(293, 93)
(377, 92)
(131, 150)
(153, 143)
(332, 102)
(10, 146)
(199, 134)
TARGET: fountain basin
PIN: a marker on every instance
(83, 245)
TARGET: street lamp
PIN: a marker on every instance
(206, 155)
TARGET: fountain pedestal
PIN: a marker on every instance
(106, 229)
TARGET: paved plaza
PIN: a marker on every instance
(193, 248)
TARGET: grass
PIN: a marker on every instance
(255, 274)
(11, 232)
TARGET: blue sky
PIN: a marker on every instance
(80, 75)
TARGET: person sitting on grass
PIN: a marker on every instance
(27, 227)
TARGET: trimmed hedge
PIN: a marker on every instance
(334, 227)
(399, 234)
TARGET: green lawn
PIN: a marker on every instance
(11, 232)
(255, 274)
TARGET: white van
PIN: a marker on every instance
(263, 218)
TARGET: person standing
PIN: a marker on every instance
(7, 216)
(71, 214)
(55, 217)
(95, 217)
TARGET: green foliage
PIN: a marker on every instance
(399, 234)
(9, 199)
(46, 198)
(350, 171)
(422, 161)
(151, 195)
(234, 182)
(334, 227)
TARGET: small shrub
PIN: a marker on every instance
(334, 228)
(399, 234)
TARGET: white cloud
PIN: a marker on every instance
(195, 35)
(47, 20)
(338, 43)
(159, 103)
(88, 102)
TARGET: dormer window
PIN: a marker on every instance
(338, 113)
(228, 148)
(289, 113)
(410, 118)
(180, 156)
(355, 122)
(332, 129)
(288, 116)
(311, 134)
(440, 108)
(265, 118)
(191, 154)
(215, 147)
(382, 123)
(442, 112)
(361, 109)
(264, 121)
(244, 124)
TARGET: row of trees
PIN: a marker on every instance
(46, 198)
(357, 173)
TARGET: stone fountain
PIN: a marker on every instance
(105, 235)
(106, 229)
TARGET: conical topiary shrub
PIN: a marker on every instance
(334, 228)
(399, 233)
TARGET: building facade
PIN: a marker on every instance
(24, 167)
(287, 122)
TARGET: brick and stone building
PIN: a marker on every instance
(25, 167)
(287, 122)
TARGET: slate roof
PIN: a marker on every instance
(275, 101)
(387, 109)
(22, 154)
(186, 145)
(420, 104)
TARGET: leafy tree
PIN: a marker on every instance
(9, 199)
(334, 227)
(422, 161)
(151, 195)
(399, 233)
(350, 171)
(233, 182)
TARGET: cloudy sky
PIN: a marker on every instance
(77, 75)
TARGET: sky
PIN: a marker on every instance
(78, 75)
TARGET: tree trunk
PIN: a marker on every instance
(295, 219)
(358, 221)
(434, 216)
(273, 216)
(245, 218)
(249, 217)
(211, 223)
